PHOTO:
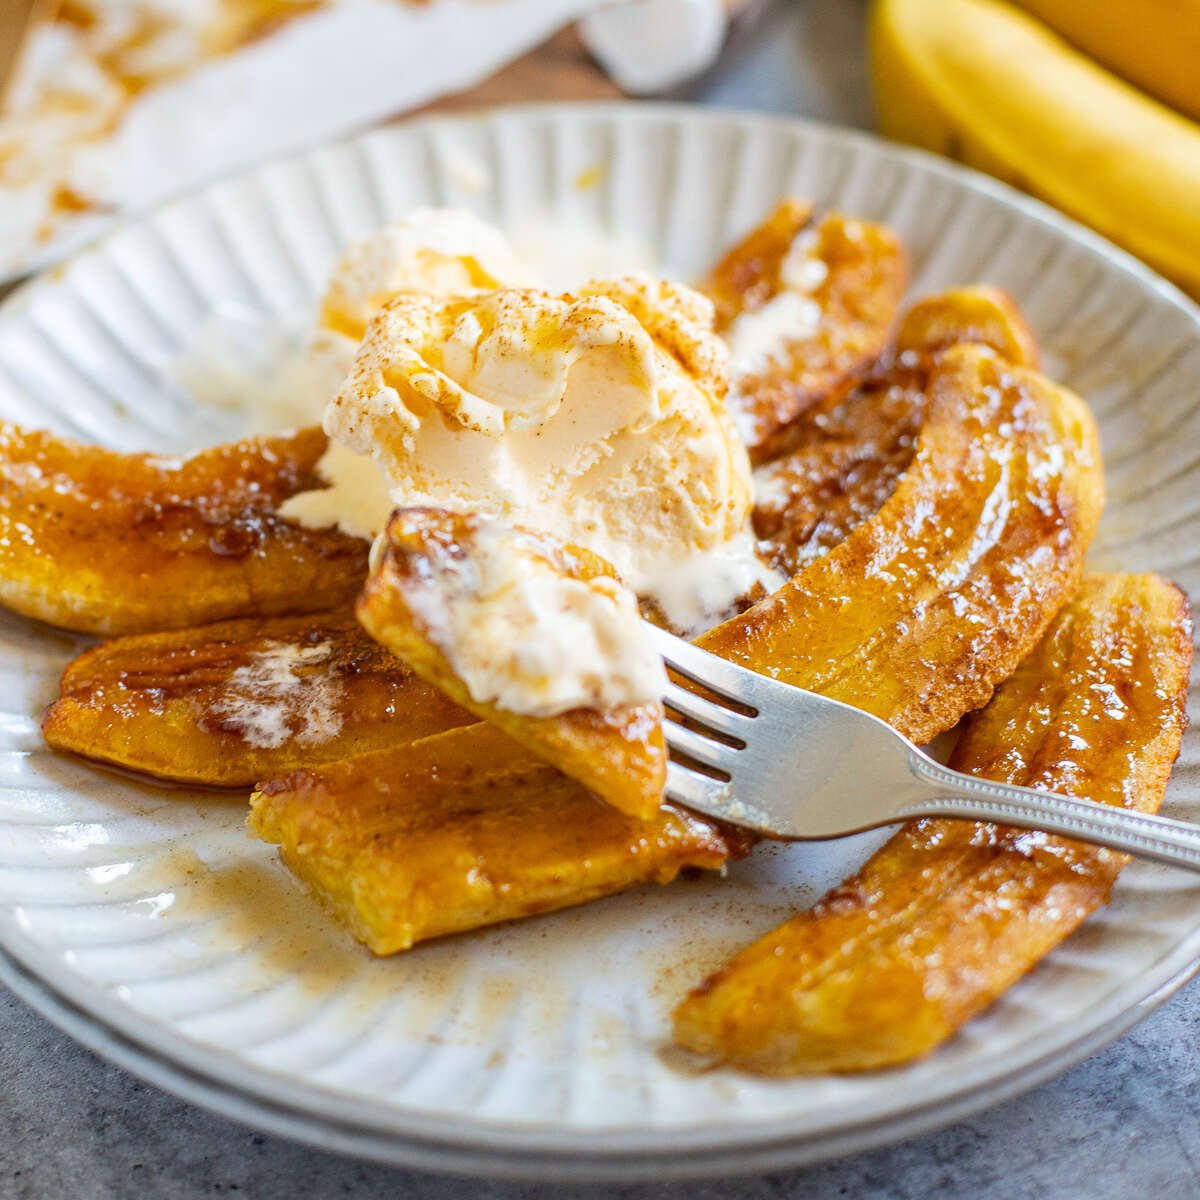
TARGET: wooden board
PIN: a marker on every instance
(559, 69)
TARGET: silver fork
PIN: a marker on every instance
(788, 763)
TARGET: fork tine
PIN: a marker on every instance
(701, 667)
(697, 746)
(705, 712)
(698, 791)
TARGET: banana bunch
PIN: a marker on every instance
(1152, 43)
(983, 82)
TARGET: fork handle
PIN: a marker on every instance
(955, 795)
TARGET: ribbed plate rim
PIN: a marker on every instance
(748, 1154)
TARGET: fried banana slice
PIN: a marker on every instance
(617, 752)
(844, 467)
(951, 913)
(226, 705)
(847, 462)
(979, 315)
(463, 830)
(806, 302)
(928, 605)
(102, 542)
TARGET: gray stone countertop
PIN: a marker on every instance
(1125, 1123)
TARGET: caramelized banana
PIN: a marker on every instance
(806, 302)
(951, 913)
(618, 753)
(228, 704)
(463, 830)
(847, 461)
(915, 617)
(984, 536)
(844, 467)
(925, 607)
(979, 314)
(102, 542)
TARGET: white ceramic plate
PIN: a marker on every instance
(151, 926)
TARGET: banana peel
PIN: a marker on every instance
(1155, 44)
(982, 82)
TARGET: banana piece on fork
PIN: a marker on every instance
(619, 753)
(102, 542)
(951, 913)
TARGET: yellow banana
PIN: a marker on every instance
(980, 81)
(1153, 43)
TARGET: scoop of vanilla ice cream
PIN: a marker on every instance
(597, 417)
(438, 251)
(523, 632)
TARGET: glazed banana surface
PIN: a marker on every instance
(102, 542)
(930, 603)
(838, 327)
(847, 461)
(228, 704)
(465, 830)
